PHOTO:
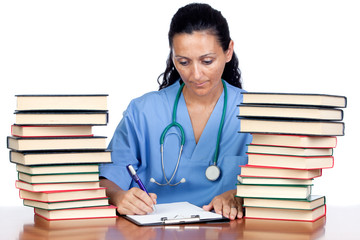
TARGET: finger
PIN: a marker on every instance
(239, 205)
(138, 207)
(240, 212)
(143, 196)
(218, 207)
(233, 213)
(208, 207)
(139, 202)
(129, 209)
(226, 210)
(153, 197)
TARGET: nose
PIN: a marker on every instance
(197, 71)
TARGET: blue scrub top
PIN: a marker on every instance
(136, 141)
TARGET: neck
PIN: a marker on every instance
(208, 100)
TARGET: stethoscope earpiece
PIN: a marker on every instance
(167, 183)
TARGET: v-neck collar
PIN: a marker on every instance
(207, 140)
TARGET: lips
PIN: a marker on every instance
(200, 84)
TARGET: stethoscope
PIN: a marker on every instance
(212, 172)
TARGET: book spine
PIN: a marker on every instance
(249, 165)
(71, 190)
(61, 219)
(312, 157)
(60, 136)
(296, 220)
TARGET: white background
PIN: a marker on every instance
(120, 47)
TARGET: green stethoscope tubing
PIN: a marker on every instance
(176, 124)
(216, 155)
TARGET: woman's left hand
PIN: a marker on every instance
(226, 204)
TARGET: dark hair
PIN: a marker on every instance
(200, 17)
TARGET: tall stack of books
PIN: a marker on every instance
(293, 140)
(57, 155)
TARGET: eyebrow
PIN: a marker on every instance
(202, 56)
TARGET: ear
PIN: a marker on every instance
(229, 52)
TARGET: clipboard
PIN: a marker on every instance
(176, 213)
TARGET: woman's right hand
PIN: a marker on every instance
(130, 202)
(134, 201)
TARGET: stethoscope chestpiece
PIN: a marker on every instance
(212, 172)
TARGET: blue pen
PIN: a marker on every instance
(136, 178)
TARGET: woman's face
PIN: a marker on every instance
(200, 61)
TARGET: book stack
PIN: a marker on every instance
(57, 155)
(293, 140)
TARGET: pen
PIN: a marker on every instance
(136, 178)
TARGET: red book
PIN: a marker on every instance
(293, 162)
(275, 172)
(285, 213)
(290, 151)
(77, 213)
(298, 141)
(63, 195)
(49, 187)
(51, 130)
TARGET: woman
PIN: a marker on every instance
(201, 55)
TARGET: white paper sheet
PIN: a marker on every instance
(177, 210)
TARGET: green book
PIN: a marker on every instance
(274, 181)
(312, 202)
(273, 191)
(59, 178)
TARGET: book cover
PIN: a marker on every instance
(294, 162)
(50, 187)
(312, 202)
(77, 213)
(64, 195)
(73, 224)
(61, 117)
(292, 127)
(57, 169)
(272, 172)
(273, 191)
(292, 112)
(296, 141)
(289, 151)
(51, 130)
(56, 143)
(285, 214)
(62, 102)
(274, 181)
(59, 178)
(59, 157)
(104, 201)
(302, 99)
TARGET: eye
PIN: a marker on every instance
(207, 62)
(184, 63)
